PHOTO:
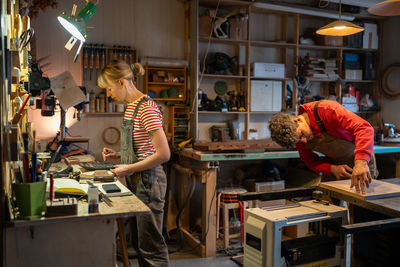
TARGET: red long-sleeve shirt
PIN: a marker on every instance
(340, 123)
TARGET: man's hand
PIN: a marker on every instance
(108, 153)
(122, 170)
(341, 171)
(361, 176)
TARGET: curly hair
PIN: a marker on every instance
(283, 130)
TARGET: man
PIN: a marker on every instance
(327, 127)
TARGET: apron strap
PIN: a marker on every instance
(135, 112)
(320, 123)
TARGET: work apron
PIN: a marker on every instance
(150, 187)
(337, 151)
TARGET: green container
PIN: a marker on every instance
(30, 199)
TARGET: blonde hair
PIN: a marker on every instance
(119, 69)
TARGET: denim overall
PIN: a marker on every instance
(337, 151)
(150, 187)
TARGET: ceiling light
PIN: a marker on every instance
(386, 8)
(340, 27)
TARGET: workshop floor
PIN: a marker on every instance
(184, 260)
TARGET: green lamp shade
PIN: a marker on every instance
(77, 25)
(340, 28)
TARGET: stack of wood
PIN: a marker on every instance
(321, 68)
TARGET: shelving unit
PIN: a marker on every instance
(179, 124)
(273, 37)
(166, 84)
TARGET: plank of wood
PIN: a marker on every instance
(236, 145)
(377, 189)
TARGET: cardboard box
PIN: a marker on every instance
(268, 70)
(205, 26)
(353, 74)
(238, 28)
(333, 40)
(253, 185)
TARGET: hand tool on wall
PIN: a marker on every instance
(120, 53)
(130, 59)
(18, 115)
(102, 57)
(85, 61)
(125, 54)
(97, 60)
(114, 52)
(91, 61)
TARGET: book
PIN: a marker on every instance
(71, 186)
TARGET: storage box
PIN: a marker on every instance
(353, 74)
(268, 70)
(205, 26)
(253, 185)
(333, 40)
(30, 199)
(370, 37)
(238, 28)
(349, 100)
(351, 107)
(266, 96)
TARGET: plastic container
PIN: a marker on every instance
(30, 199)
(93, 200)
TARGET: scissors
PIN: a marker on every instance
(25, 38)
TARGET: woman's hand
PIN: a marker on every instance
(361, 176)
(122, 170)
(108, 153)
(341, 171)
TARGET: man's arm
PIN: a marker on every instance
(312, 160)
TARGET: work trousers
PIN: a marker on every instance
(146, 230)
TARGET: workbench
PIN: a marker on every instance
(80, 240)
(204, 165)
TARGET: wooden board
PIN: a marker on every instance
(377, 190)
(236, 145)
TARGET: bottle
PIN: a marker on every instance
(92, 101)
(93, 199)
(102, 100)
(97, 104)
(87, 103)
(110, 104)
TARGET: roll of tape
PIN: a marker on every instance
(111, 135)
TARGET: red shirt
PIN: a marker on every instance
(148, 118)
(340, 123)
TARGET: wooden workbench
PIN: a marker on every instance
(81, 240)
(202, 165)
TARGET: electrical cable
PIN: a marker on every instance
(182, 209)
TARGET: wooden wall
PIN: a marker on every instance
(154, 27)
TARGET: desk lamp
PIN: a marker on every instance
(76, 25)
(340, 27)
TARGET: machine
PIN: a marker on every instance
(265, 245)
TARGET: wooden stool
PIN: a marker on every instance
(227, 200)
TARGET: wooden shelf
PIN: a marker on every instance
(274, 79)
(264, 112)
(165, 83)
(322, 79)
(272, 44)
(222, 41)
(318, 47)
(168, 99)
(103, 113)
(223, 112)
(360, 81)
(359, 50)
(218, 76)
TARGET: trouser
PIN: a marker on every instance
(146, 230)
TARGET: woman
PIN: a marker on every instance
(144, 147)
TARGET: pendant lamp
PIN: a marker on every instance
(386, 8)
(340, 27)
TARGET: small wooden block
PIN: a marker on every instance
(62, 207)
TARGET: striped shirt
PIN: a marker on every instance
(148, 118)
